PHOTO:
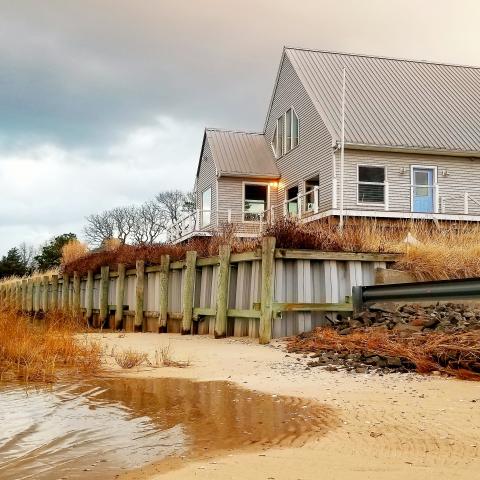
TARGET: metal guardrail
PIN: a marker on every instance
(468, 288)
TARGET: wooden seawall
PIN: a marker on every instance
(268, 293)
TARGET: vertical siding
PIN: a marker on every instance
(463, 176)
(207, 177)
(313, 156)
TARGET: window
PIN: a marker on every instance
(206, 207)
(371, 184)
(292, 201)
(310, 185)
(256, 201)
(286, 133)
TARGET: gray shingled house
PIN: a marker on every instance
(411, 146)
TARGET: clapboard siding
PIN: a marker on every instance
(207, 177)
(313, 156)
(463, 176)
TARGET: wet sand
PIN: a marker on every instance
(391, 427)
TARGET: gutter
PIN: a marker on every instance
(417, 150)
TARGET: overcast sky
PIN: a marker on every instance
(103, 102)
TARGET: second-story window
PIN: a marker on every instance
(286, 133)
(371, 184)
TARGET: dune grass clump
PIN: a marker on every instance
(38, 349)
(128, 359)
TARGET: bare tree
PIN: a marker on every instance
(27, 257)
(151, 222)
(100, 227)
(173, 203)
(125, 220)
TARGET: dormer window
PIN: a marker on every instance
(286, 133)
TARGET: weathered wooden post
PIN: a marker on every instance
(18, 295)
(89, 297)
(163, 285)
(45, 293)
(76, 293)
(188, 291)
(65, 292)
(24, 295)
(54, 297)
(139, 293)
(13, 294)
(119, 295)
(268, 262)
(222, 292)
(103, 300)
(38, 295)
(30, 295)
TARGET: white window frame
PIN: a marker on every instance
(267, 184)
(290, 186)
(305, 190)
(283, 146)
(202, 210)
(435, 184)
(375, 204)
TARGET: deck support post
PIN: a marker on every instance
(139, 292)
(18, 295)
(222, 292)
(163, 296)
(266, 310)
(119, 296)
(24, 295)
(46, 281)
(103, 300)
(188, 291)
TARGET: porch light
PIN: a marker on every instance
(274, 184)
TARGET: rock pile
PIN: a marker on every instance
(408, 319)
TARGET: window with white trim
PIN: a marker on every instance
(206, 217)
(371, 184)
(286, 133)
(255, 201)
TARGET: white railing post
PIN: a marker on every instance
(285, 208)
(272, 214)
(387, 196)
(315, 200)
(229, 215)
(334, 192)
(299, 206)
(465, 203)
(437, 197)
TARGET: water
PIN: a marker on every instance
(100, 428)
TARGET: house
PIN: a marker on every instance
(410, 148)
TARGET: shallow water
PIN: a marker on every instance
(100, 428)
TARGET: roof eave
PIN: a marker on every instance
(269, 176)
(409, 149)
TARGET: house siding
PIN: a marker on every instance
(207, 177)
(313, 156)
(463, 176)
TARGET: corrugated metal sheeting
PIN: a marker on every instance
(394, 102)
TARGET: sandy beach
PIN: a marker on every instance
(392, 426)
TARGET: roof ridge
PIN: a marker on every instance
(226, 130)
(383, 57)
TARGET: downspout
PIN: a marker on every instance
(342, 152)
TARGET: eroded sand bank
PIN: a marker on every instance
(395, 426)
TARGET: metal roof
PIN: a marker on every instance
(394, 102)
(241, 153)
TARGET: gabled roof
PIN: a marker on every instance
(241, 154)
(393, 102)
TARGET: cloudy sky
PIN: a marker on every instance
(103, 102)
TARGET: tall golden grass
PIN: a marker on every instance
(73, 250)
(37, 349)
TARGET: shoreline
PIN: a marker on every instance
(395, 425)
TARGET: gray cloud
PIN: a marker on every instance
(81, 80)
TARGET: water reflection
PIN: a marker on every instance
(100, 428)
